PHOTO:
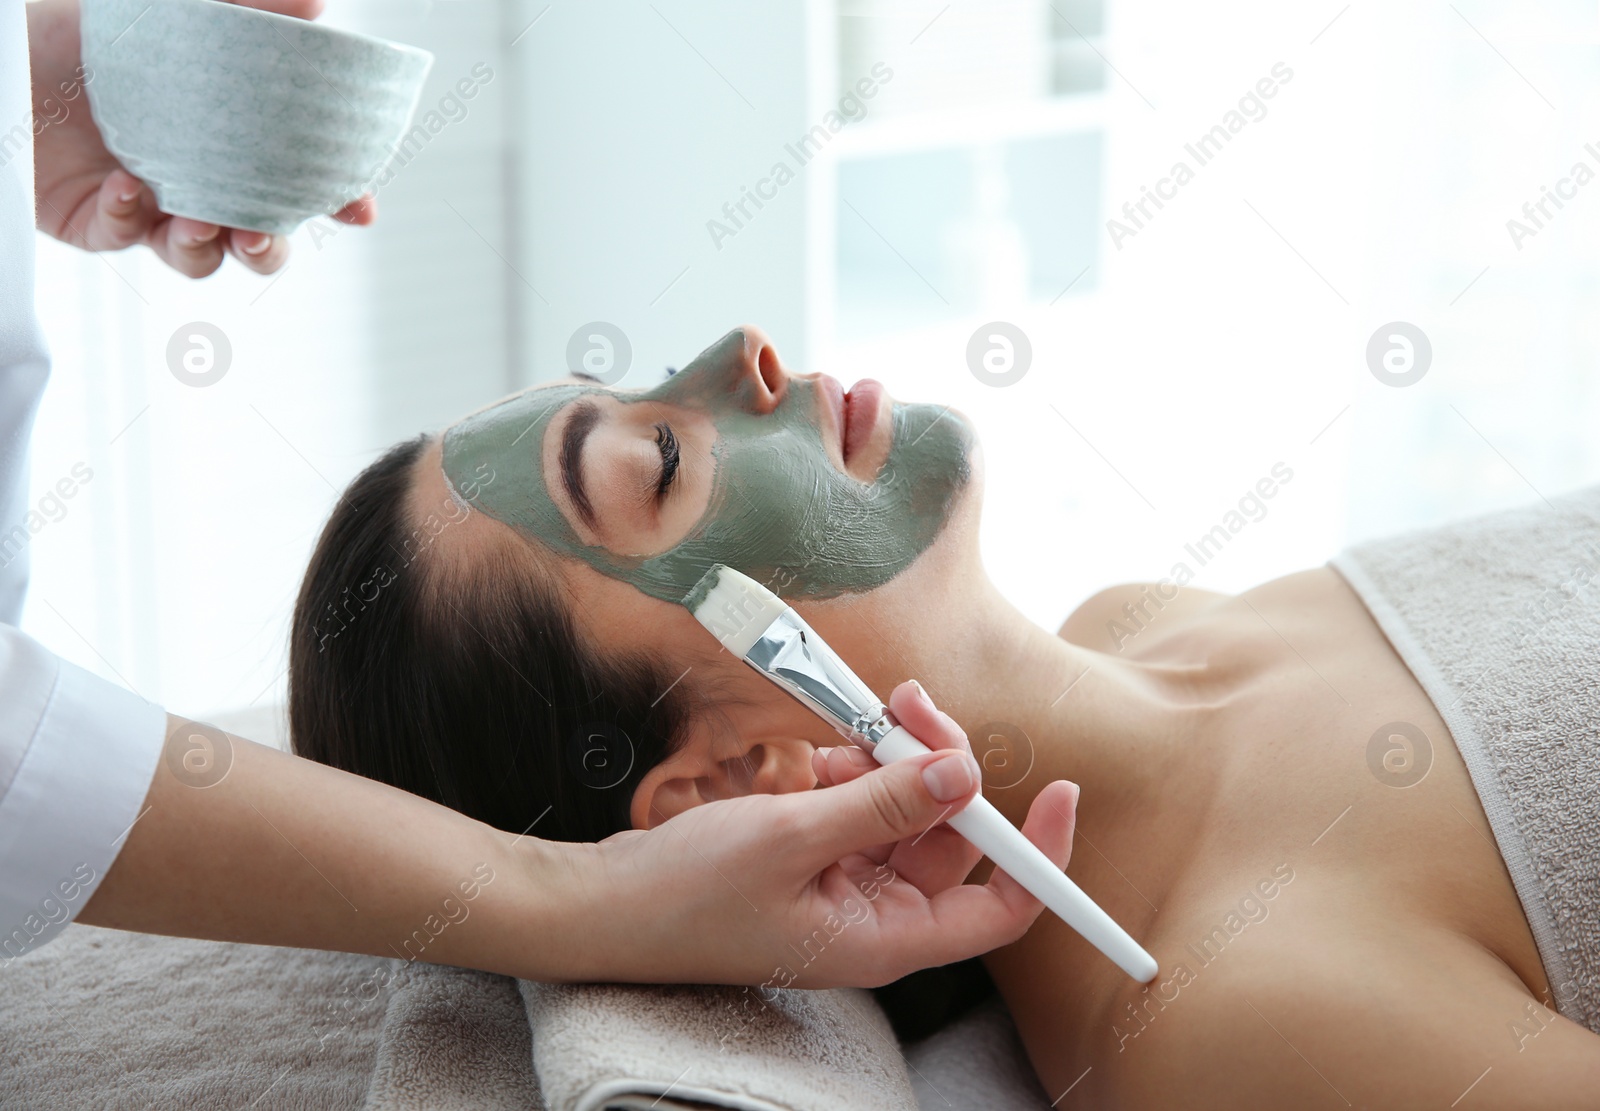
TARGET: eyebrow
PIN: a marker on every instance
(585, 415)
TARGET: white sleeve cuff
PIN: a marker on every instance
(78, 788)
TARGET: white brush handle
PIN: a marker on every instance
(980, 823)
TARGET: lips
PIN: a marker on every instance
(831, 396)
(861, 407)
(856, 414)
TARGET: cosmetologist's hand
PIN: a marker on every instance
(84, 197)
(856, 883)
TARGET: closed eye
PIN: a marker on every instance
(667, 443)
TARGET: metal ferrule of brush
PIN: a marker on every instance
(797, 659)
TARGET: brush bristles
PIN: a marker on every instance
(734, 608)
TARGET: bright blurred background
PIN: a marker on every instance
(1171, 369)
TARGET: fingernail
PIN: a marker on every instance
(259, 246)
(921, 694)
(857, 757)
(950, 777)
(201, 240)
(128, 198)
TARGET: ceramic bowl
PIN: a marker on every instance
(245, 118)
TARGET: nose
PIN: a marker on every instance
(746, 364)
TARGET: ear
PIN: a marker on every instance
(693, 775)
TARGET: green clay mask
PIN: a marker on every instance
(780, 511)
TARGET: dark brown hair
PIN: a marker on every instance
(464, 681)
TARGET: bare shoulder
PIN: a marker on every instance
(1108, 619)
(1391, 1018)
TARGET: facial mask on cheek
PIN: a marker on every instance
(780, 511)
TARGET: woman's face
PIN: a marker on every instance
(818, 494)
(803, 488)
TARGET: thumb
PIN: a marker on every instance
(903, 799)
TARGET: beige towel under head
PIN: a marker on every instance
(454, 1040)
(729, 1047)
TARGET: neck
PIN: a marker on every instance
(1038, 708)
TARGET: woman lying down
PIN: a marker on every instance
(490, 620)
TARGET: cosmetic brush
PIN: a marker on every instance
(765, 632)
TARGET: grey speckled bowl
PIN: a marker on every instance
(245, 118)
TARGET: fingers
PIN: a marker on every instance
(125, 213)
(887, 805)
(267, 254)
(361, 212)
(191, 247)
(840, 764)
(914, 710)
(930, 725)
(966, 920)
(263, 253)
(122, 215)
(300, 9)
(934, 860)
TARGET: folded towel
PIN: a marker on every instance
(595, 1045)
(461, 1039)
(453, 1038)
(1498, 617)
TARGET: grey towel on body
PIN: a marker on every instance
(1498, 617)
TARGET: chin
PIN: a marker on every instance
(943, 572)
(974, 453)
(955, 550)
(969, 500)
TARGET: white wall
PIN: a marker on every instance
(639, 122)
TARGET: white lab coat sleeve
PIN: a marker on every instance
(24, 364)
(77, 754)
